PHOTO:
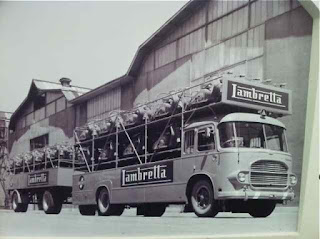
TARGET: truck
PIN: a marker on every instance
(213, 147)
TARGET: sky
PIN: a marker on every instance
(89, 42)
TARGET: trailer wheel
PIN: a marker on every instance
(51, 202)
(103, 203)
(18, 207)
(261, 208)
(154, 210)
(87, 210)
(202, 199)
(39, 201)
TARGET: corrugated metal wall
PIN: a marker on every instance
(51, 96)
(39, 114)
(51, 109)
(222, 36)
(99, 106)
(61, 104)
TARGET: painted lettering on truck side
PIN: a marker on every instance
(147, 174)
(38, 178)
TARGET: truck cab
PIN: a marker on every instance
(257, 145)
(250, 162)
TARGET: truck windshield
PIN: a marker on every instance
(252, 135)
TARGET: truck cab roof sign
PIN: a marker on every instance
(257, 96)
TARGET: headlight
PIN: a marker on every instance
(293, 180)
(241, 177)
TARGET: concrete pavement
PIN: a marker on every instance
(173, 223)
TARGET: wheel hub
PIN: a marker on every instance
(203, 198)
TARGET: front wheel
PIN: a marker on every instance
(51, 202)
(202, 199)
(18, 207)
(261, 208)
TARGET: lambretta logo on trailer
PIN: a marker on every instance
(258, 97)
(150, 174)
(38, 178)
(253, 94)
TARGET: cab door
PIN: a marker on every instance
(207, 157)
(188, 155)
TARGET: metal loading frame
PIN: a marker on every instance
(224, 106)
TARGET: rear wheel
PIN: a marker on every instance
(202, 199)
(87, 210)
(18, 207)
(261, 208)
(154, 210)
(51, 202)
(105, 208)
(39, 201)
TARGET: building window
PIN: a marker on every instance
(3, 135)
(39, 142)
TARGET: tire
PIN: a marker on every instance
(118, 210)
(39, 202)
(261, 208)
(24, 207)
(87, 210)
(202, 199)
(18, 207)
(187, 208)
(51, 202)
(103, 203)
(154, 210)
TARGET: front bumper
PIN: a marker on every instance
(246, 194)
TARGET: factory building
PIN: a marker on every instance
(45, 117)
(260, 40)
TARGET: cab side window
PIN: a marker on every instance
(189, 142)
(206, 139)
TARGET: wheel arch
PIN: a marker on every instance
(19, 196)
(106, 185)
(22, 197)
(197, 177)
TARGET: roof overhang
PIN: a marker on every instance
(40, 86)
(102, 89)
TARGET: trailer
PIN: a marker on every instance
(47, 184)
(214, 147)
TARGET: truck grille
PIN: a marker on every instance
(269, 174)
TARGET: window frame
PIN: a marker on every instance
(185, 141)
(46, 141)
(214, 138)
